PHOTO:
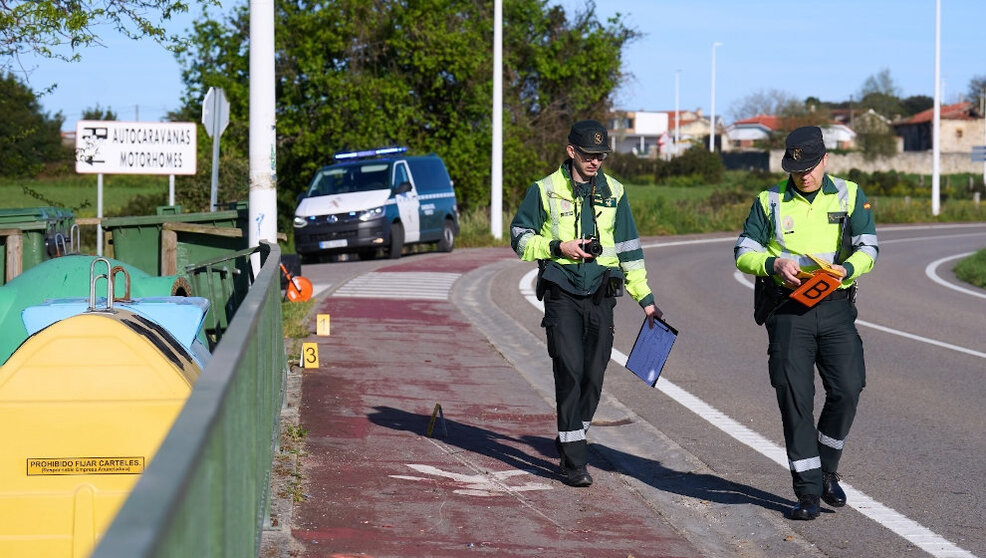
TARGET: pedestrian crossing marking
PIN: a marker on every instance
(402, 285)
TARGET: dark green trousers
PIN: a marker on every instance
(579, 333)
(801, 339)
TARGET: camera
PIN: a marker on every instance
(592, 246)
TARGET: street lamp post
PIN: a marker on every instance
(712, 115)
(677, 113)
(936, 120)
(496, 172)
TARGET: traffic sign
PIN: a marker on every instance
(215, 112)
(215, 118)
(112, 147)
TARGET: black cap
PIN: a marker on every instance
(589, 136)
(804, 148)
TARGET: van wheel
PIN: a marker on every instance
(447, 242)
(396, 241)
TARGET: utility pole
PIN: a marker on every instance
(496, 173)
(677, 113)
(936, 121)
(262, 212)
(712, 116)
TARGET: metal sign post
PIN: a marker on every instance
(215, 118)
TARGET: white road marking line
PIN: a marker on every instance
(932, 272)
(403, 285)
(491, 484)
(906, 528)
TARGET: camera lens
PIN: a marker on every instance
(594, 247)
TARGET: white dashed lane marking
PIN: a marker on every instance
(400, 285)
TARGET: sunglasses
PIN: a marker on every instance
(590, 156)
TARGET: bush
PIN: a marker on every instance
(696, 161)
(630, 168)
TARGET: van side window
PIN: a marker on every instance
(400, 175)
(430, 175)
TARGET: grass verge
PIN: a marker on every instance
(972, 270)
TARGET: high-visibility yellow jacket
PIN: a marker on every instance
(784, 224)
(552, 210)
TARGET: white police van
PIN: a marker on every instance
(380, 199)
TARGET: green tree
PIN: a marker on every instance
(977, 88)
(881, 82)
(769, 101)
(916, 103)
(885, 104)
(98, 113)
(47, 28)
(28, 137)
(354, 74)
(880, 93)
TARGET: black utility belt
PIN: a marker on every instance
(611, 287)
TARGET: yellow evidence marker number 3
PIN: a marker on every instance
(309, 355)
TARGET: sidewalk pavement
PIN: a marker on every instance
(424, 440)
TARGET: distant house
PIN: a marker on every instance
(652, 133)
(745, 133)
(961, 129)
(638, 132)
(68, 138)
(838, 136)
(871, 122)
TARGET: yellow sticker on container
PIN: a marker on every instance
(322, 325)
(309, 355)
(48, 466)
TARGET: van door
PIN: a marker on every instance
(408, 205)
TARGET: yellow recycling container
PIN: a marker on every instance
(84, 405)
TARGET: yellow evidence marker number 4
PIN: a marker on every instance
(309, 355)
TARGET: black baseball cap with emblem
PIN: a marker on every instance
(804, 148)
(589, 136)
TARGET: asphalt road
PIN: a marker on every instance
(914, 461)
(917, 446)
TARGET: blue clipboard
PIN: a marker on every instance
(650, 350)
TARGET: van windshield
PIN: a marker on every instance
(350, 178)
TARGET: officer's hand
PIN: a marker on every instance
(788, 271)
(653, 314)
(842, 271)
(572, 249)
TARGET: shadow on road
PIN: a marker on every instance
(510, 450)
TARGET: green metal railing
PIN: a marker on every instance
(205, 492)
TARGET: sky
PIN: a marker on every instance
(821, 49)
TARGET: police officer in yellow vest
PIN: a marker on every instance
(813, 213)
(577, 224)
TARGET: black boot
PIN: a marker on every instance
(577, 476)
(832, 493)
(806, 509)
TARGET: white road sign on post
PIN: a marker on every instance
(112, 147)
(215, 118)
